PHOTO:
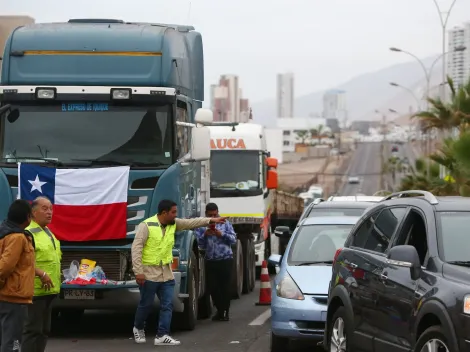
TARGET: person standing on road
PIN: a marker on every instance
(16, 274)
(152, 255)
(217, 241)
(47, 282)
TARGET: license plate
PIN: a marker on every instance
(79, 294)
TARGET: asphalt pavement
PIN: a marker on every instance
(247, 331)
(365, 163)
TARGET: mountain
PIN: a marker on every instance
(366, 93)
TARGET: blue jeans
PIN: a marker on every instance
(164, 292)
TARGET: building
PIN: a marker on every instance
(227, 102)
(285, 95)
(334, 105)
(7, 25)
(458, 62)
(293, 128)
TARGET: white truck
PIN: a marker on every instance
(243, 179)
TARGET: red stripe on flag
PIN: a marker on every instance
(89, 222)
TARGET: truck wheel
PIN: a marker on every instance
(189, 316)
(248, 266)
(237, 271)
(253, 266)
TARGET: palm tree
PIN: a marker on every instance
(313, 134)
(320, 130)
(303, 136)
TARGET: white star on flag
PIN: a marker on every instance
(37, 184)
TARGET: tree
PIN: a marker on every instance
(303, 136)
(320, 131)
(313, 135)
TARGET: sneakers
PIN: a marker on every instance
(139, 335)
(166, 340)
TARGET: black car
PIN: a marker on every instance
(331, 208)
(402, 280)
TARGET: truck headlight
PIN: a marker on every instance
(466, 304)
(46, 93)
(287, 288)
(120, 94)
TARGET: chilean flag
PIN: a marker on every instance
(89, 204)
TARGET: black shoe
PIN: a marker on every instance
(225, 316)
(217, 316)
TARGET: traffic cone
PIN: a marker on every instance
(265, 289)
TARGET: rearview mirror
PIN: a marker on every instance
(406, 257)
(275, 259)
(271, 179)
(272, 162)
(204, 116)
(200, 144)
(282, 231)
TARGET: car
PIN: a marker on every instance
(320, 208)
(394, 149)
(353, 179)
(356, 198)
(401, 281)
(300, 289)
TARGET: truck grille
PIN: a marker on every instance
(109, 261)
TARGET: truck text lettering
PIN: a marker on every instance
(227, 143)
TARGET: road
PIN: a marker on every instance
(247, 331)
(365, 163)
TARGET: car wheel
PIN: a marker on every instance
(279, 344)
(432, 339)
(338, 332)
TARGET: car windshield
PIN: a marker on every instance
(89, 133)
(317, 243)
(336, 212)
(453, 233)
(235, 173)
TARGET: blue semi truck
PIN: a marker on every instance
(96, 93)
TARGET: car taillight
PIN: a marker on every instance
(338, 251)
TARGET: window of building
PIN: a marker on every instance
(286, 143)
(286, 133)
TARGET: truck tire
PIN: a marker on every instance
(205, 304)
(189, 316)
(253, 267)
(248, 265)
(237, 271)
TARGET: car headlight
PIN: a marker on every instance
(287, 288)
(466, 304)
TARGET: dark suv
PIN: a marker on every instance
(402, 280)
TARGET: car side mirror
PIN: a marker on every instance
(275, 259)
(282, 231)
(406, 257)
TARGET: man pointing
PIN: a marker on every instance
(152, 255)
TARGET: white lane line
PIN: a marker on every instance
(262, 318)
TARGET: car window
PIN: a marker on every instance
(336, 212)
(317, 243)
(453, 236)
(377, 230)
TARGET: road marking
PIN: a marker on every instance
(262, 318)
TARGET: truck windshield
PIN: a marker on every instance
(106, 135)
(235, 173)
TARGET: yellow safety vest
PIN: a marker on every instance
(48, 258)
(158, 249)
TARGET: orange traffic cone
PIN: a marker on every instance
(265, 289)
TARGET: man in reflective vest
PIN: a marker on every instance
(47, 281)
(152, 255)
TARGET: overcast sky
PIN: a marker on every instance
(324, 42)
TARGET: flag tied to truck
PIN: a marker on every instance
(89, 204)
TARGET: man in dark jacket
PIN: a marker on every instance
(16, 274)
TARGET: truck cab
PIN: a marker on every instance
(100, 93)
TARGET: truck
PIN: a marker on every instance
(242, 183)
(102, 92)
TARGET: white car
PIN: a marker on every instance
(353, 179)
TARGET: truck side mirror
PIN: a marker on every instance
(272, 162)
(200, 144)
(204, 116)
(272, 181)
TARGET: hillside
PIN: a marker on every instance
(365, 94)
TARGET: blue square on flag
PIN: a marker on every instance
(35, 181)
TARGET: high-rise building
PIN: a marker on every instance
(7, 25)
(458, 62)
(335, 105)
(226, 100)
(285, 95)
